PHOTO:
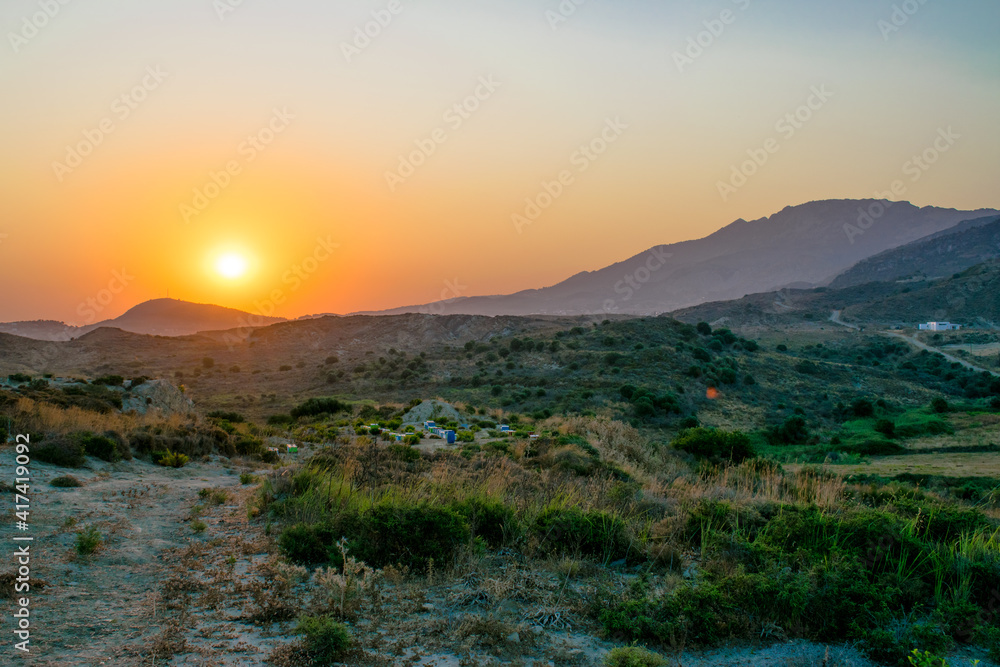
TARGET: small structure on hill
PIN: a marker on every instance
(940, 326)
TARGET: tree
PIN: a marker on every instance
(704, 328)
(715, 445)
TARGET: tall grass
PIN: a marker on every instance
(37, 417)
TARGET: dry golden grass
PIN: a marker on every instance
(36, 417)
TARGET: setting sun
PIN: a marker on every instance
(231, 266)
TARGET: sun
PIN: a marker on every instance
(231, 266)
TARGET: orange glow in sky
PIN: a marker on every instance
(218, 158)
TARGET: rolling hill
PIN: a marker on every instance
(158, 317)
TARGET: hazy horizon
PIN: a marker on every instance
(174, 192)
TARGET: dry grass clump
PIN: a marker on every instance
(39, 417)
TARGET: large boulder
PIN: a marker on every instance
(432, 410)
(156, 395)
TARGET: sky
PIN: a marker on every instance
(315, 157)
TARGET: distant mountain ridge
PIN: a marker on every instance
(946, 253)
(800, 246)
(970, 297)
(158, 317)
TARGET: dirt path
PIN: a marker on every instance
(923, 346)
(94, 609)
(835, 318)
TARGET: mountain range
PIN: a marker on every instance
(835, 243)
(802, 246)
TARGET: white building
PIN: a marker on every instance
(940, 326)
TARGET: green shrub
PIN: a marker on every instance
(66, 482)
(170, 459)
(63, 452)
(19, 378)
(319, 406)
(633, 656)
(100, 446)
(874, 448)
(249, 446)
(234, 417)
(715, 445)
(247, 478)
(862, 408)
(88, 541)
(411, 439)
(902, 641)
(886, 427)
(492, 520)
(403, 534)
(198, 526)
(940, 405)
(109, 380)
(572, 531)
(794, 431)
(306, 544)
(404, 453)
(326, 640)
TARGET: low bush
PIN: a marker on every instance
(102, 447)
(633, 656)
(326, 640)
(319, 406)
(233, 417)
(874, 447)
(63, 452)
(170, 459)
(387, 534)
(940, 405)
(66, 482)
(571, 531)
(404, 453)
(492, 520)
(88, 541)
(715, 445)
(406, 534)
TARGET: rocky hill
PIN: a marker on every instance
(939, 255)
